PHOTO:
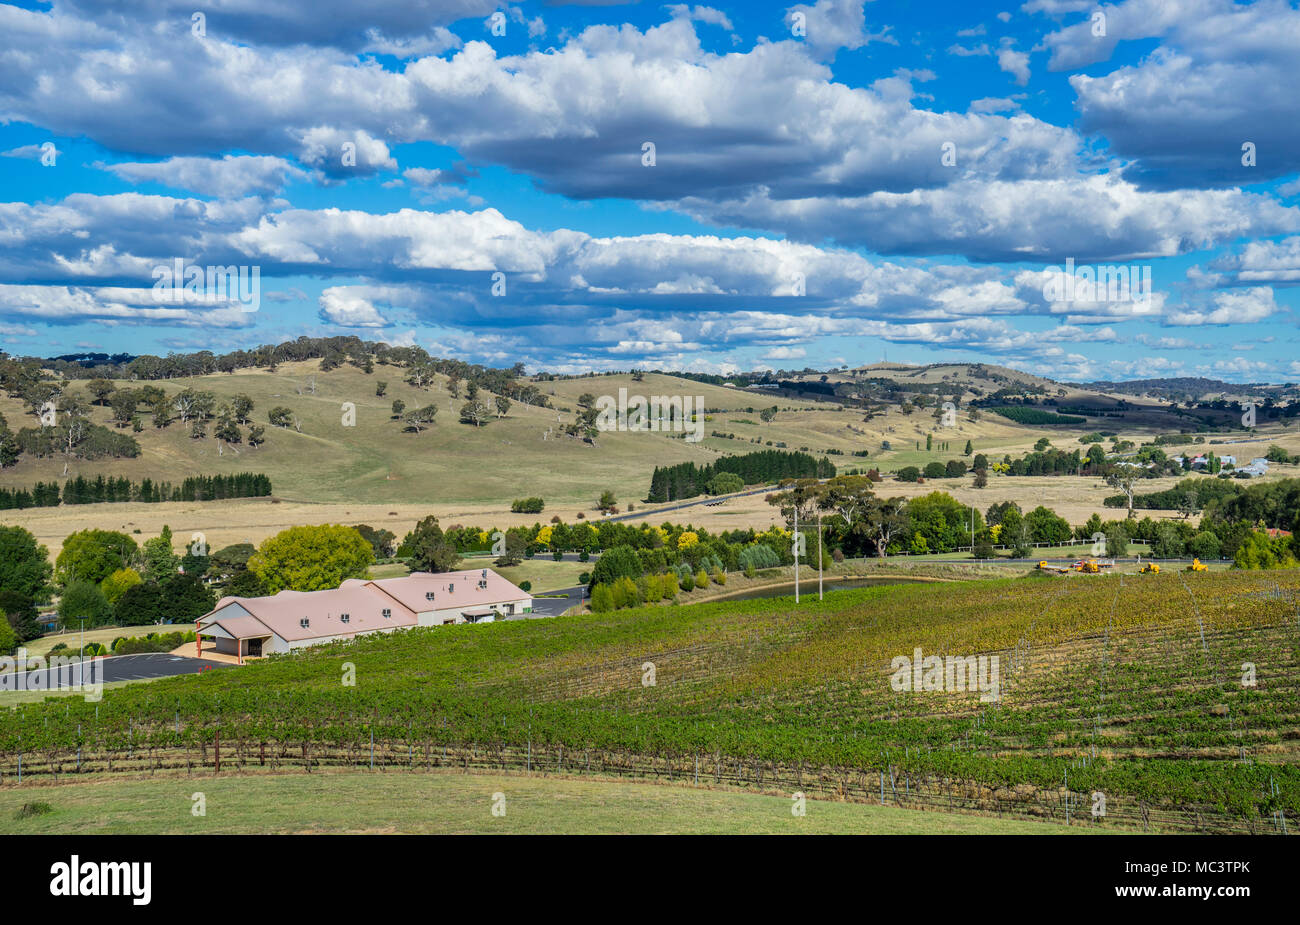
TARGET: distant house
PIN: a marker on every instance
(256, 626)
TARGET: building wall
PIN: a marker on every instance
(286, 645)
(278, 645)
(442, 615)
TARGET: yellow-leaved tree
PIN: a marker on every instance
(311, 558)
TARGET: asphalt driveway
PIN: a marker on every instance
(112, 668)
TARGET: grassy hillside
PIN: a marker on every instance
(1128, 686)
(374, 461)
(449, 803)
(375, 473)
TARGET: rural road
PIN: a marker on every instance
(708, 499)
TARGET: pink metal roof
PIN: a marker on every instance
(323, 610)
(450, 589)
(364, 603)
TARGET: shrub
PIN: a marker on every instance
(84, 599)
(1168, 544)
(117, 584)
(1045, 526)
(725, 483)
(701, 579)
(1257, 551)
(625, 593)
(154, 642)
(8, 635)
(20, 614)
(602, 599)
(34, 808)
(687, 582)
(758, 556)
(525, 586)
(619, 562)
(1204, 545)
(527, 506)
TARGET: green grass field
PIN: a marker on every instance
(544, 572)
(449, 803)
(41, 645)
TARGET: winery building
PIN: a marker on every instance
(257, 626)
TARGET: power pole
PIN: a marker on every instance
(819, 555)
(796, 551)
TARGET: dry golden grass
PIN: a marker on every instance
(373, 473)
(252, 520)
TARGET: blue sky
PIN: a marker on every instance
(832, 182)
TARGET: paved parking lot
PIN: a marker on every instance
(113, 668)
(554, 606)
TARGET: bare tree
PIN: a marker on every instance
(1124, 479)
